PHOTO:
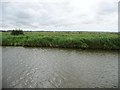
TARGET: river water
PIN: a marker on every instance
(58, 68)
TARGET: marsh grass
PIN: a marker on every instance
(82, 40)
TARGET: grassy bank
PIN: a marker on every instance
(83, 40)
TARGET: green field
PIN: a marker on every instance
(82, 40)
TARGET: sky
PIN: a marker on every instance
(75, 15)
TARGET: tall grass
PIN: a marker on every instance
(82, 40)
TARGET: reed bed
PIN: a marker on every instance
(81, 40)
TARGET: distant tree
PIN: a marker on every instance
(17, 32)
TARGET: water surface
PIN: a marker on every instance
(59, 68)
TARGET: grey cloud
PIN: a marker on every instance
(52, 15)
(15, 14)
(107, 8)
(46, 14)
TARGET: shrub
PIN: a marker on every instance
(17, 32)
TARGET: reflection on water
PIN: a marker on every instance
(59, 68)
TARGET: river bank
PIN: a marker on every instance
(81, 40)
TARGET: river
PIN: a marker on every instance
(58, 68)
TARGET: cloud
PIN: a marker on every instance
(60, 14)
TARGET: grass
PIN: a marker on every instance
(82, 40)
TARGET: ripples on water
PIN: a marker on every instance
(57, 68)
(0, 67)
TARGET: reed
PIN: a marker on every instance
(82, 40)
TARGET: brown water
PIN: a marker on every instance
(59, 68)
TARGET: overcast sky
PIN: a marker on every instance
(95, 15)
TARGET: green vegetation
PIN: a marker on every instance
(17, 32)
(82, 40)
